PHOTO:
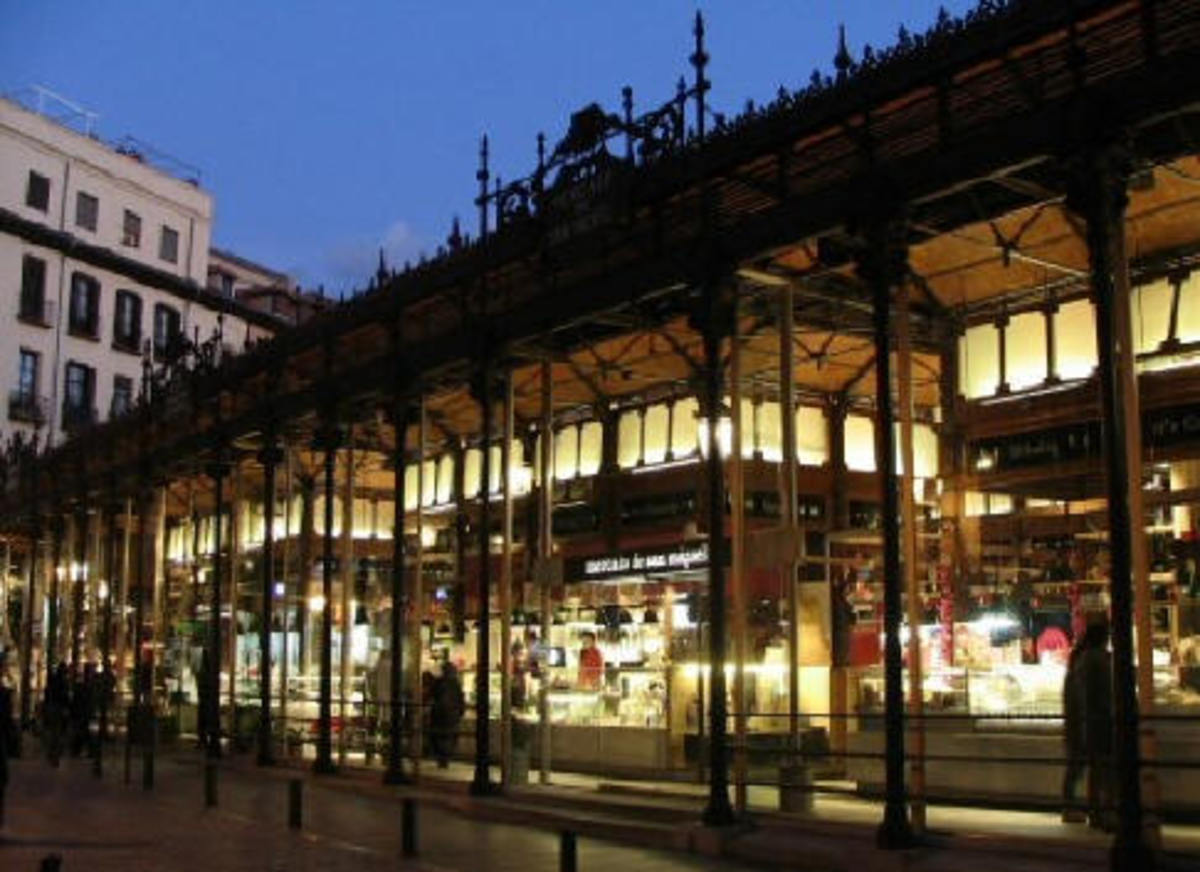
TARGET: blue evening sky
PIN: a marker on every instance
(327, 129)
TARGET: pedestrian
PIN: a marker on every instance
(8, 735)
(1074, 735)
(55, 708)
(80, 711)
(445, 713)
(1095, 676)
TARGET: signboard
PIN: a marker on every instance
(650, 561)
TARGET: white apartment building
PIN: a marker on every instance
(103, 258)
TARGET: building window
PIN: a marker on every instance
(85, 306)
(122, 396)
(33, 290)
(131, 230)
(166, 330)
(37, 192)
(127, 322)
(24, 403)
(78, 407)
(226, 285)
(87, 211)
(168, 245)
(27, 385)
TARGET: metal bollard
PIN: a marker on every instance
(147, 770)
(568, 859)
(50, 863)
(295, 803)
(408, 827)
(210, 784)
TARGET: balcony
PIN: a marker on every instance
(27, 408)
(37, 315)
(75, 418)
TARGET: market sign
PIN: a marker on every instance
(662, 561)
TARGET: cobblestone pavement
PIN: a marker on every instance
(100, 825)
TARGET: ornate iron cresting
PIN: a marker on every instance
(580, 183)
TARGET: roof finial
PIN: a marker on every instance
(842, 60)
(381, 273)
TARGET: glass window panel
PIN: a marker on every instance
(494, 469)
(472, 470)
(925, 451)
(1151, 315)
(812, 435)
(445, 479)
(770, 431)
(684, 435)
(1188, 327)
(537, 460)
(429, 485)
(363, 526)
(629, 439)
(860, 443)
(410, 488)
(566, 453)
(999, 504)
(385, 518)
(979, 361)
(1075, 339)
(1025, 350)
(975, 504)
(749, 431)
(591, 447)
(657, 434)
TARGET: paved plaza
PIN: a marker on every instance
(99, 825)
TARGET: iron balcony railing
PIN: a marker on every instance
(76, 417)
(26, 407)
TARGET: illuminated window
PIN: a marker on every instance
(657, 427)
(495, 469)
(629, 439)
(859, 446)
(684, 428)
(445, 479)
(429, 485)
(472, 470)
(410, 488)
(1025, 350)
(591, 447)
(566, 453)
(746, 421)
(812, 436)
(1188, 327)
(979, 361)
(364, 526)
(925, 451)
(385, 518)
(770, 431)
(1075, 339)
(1151, 315)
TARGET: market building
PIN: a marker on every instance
(797, 448)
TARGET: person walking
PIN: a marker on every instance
(1095, 677)
(1074, 736)
(445, 713)
(55, 707)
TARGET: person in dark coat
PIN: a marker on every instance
(1095, 676)
(1074, 735)
(8, 735)
(55, 708)
(446, 710)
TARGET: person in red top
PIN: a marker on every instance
(591, 663)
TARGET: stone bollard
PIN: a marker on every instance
(408, 827)
(295, 803)
(568, 855)
(210, 784)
